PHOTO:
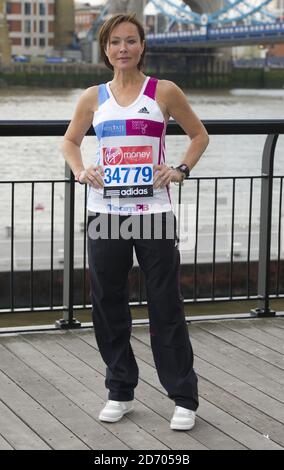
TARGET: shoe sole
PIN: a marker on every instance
(180, 427)
(114, 420)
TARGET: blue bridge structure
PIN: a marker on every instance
(235, 23)
(207, 24)
(220, 37)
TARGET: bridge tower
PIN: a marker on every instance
(125, 6)
(64, 23)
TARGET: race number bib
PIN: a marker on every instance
(128, 171)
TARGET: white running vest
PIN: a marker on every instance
(131, 140)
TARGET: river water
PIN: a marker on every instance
(33, 158)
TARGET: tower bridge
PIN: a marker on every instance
(184, 33)
(214, 22)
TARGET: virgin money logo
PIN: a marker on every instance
(128, 155)
(132, 155)
(113, 156)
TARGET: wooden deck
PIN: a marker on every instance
(52, 389)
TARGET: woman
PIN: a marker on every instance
(129, 183)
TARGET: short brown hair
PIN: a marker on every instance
(108, 27)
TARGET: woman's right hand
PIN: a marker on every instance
(93, 175)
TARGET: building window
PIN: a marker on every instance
(16, 42)
(42, 9)
(27, 26)
(8, 8)
(42, 42)
(28, 8)
(14, 26)
(41, 26)
(27, 42)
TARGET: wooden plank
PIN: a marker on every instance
(233, 427)
(279, 322)
(82, 387)
(240, 389)
(152, 377)
(247, 329)
(50, 398)
(202, 333)
(37, 418)
(156, 400)
(232, 384)
(242, 411)
(239, 431)
(273, 330)
(17, 433)
(206, 347)
(154, 396)
(244, 344)
(4, 445)
(146, 419)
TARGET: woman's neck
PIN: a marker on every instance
(123, 79)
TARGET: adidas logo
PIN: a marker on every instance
(144, 110)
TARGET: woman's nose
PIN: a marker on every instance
(123, 46)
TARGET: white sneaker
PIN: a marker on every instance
(183, 419)
(114, 410)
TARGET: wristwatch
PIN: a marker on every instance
(183, 168)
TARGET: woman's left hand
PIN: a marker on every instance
(164, 174)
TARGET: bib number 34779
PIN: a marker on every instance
(128, 171)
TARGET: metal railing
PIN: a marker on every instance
(263, 294)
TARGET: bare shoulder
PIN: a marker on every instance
(169, 93)
(166, 88)
(169, 97)
(89, 98)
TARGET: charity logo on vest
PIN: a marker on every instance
(129, 191)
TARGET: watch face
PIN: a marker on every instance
(184, 169)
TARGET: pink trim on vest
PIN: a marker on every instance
(150, 89)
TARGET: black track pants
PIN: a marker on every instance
(110, 261)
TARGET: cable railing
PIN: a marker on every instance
(230, 232)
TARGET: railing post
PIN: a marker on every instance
(263, 309)
(179, 215)
(68, 321)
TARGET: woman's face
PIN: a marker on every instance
(124, 47)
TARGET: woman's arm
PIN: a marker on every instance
(74, 135)
(177, 106)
